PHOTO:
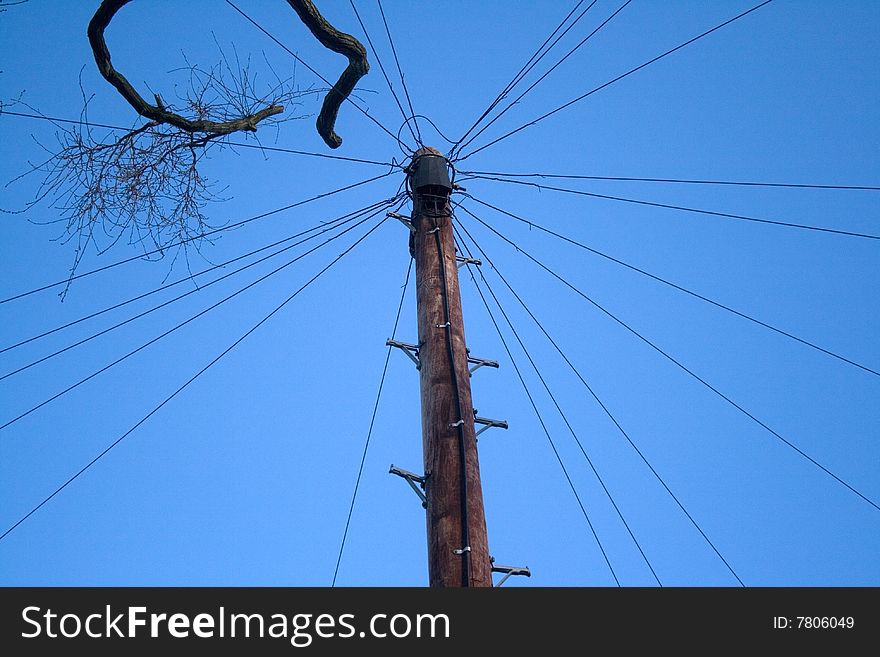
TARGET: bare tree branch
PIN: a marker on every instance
(159, 112)
(145, 184)
(344, 44)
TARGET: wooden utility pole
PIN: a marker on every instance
(458, 551)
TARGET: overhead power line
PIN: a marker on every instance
(546, 431)
(675, 286)
(412, 112)
(301, 61)
(519, 98)
(384, 74)
(185, 385)
(225, 142)
(684, 368)
(360, 472)
(184, 279)
(681, 208)
(550, 394)
(333, 225)
(214, 231)
(182, 324)
(685, 181)
(538, 55)
(613, 419)
(610, 82)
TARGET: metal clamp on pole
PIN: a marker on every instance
(402, 219)
(509, 571)
(467, 261)
(412, 479)
(480, 362)
(411, 350)
(488, 424)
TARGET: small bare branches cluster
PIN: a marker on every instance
(145, 185)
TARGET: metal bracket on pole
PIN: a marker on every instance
(488, 424)
(509, 571)
(411, 350)
(412, 479)
(467, 261)
(480, 362)
(404, 220)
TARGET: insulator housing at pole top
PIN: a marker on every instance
(429, 180)
(431, 174)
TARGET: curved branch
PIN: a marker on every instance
(344, 44)
(158, 112)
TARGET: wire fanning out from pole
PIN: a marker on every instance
(360, 472)
(183, 323)
(547, 389)
(659, 279)
(190, 381)
(684, 368)
(162, 250)
(545, 430)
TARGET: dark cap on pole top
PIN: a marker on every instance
(430, 172)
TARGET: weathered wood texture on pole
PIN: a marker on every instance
(444, 439)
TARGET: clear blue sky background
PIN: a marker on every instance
(246, 477)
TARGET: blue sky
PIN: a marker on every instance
(245, 478)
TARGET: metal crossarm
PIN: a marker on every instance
(412, 479)
(412, 352)
(488, 423)
(509, 571)
(481, 362)
(402, 219)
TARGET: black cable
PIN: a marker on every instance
(682, 366)
(188, 382)
(613, 419)
(666, 206)
(544, 427)
(182, 324)
(519, 98)
(462, 454)
(412, 112)
(547, 387)
(659, 279)
(382, 68)
(190, 277)
(667, 180)
(610, 82)
(277, 149)
(524, 70)
(325, 80)
(333, 225)
(357, 482)
(550, 392)
(162, 250)
(433, 125)
(237, 144)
